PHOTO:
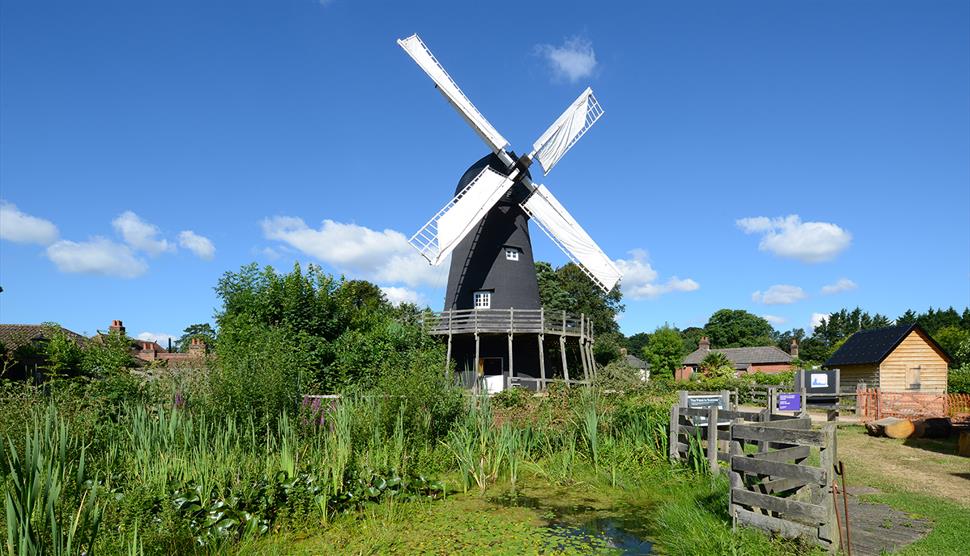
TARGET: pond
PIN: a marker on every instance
(584, 523)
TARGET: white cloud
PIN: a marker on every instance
(639, 278)
(817, 319)
(161, 337)
(200, 245)
(841, 285)
(96, 256)
(140, 234)
(358, 251)
(20, 227)
(396, 295)
(809, 242)
(572, 61)
(774, 319)
(779, 294)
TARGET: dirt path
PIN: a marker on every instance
(919, 466)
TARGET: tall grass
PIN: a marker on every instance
(51, 506)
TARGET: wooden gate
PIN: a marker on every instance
(773, 485)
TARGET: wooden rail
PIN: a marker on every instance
(506, 321)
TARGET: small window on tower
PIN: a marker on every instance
(483, 300)
(511, 253)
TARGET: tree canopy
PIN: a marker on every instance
(568, 289)
(738, 328)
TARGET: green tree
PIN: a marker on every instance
(950, 339)
(692, 336)
(635, 343)
(567, 288)
(108, 355)
(933, 320)
(909, 317)
(62, 355)
(665, 352)
(716, 365)
(738, 328)
(202, 331)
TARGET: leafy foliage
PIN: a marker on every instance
(737, 328)
(568, 289)
(665, 352)
(201, 331)
(716, 365)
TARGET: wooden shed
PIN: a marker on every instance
(902, 358)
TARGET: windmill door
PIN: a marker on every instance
(492, 371)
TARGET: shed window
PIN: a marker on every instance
(912, 378)
(511, 253)
(483, 300)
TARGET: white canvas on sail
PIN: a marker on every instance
(424, 58)
(560, 226)
(468, 208)
(567, 129)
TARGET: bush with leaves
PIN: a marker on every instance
(716, 365)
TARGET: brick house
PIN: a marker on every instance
(763, 359)
(21, 348)
(149, 351)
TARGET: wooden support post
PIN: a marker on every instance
(562, 350)
(734, 449)
(828, 458)
(542, 363)
(582, 350)
(763, 444)
(448, 356)
(726, 400)
(712, 440)
(772, 400)
(674, 433)
(511, 362)
(682, 397)
(477, 351)
(804, 393)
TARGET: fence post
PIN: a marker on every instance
(860, 392)
(712, 440)
(828, 457)
(683, 398)
(726, 400)
(772, 400)
(674, 435)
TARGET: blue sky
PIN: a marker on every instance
(785, 158)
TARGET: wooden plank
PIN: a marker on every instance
(746, 415)
(800, 511)
(784, 454)
(779, 469)
(798, 423)
(693, 411)
(724, 456)
(763, 433)
(770, 524)
(681, 447)
(781, 485)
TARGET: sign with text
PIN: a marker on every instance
(703, 402)
(789, 402)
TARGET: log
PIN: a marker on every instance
(963, 446)
(891, 427)
(932, 427)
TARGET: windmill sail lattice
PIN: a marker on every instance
(567, 129)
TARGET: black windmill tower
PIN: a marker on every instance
(497, 331)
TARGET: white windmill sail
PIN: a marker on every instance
(424, 58)
(439, 237)
(567, 129)
(565, 232)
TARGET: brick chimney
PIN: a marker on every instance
(117, 327)
(197, 346)
(704, 344)
(147, 352)
(794, 348)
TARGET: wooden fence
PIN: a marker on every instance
(875, 403)
(773, 487)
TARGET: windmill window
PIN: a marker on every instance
(511, 253)
(483, 300)
(912, 378)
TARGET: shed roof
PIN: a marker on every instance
(872, 346)
(636, 362)
(742, 356)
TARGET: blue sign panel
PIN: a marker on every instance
(789, 402)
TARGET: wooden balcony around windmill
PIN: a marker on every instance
(507, 321)
(457, 323)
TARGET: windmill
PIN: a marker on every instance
(492, 287)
